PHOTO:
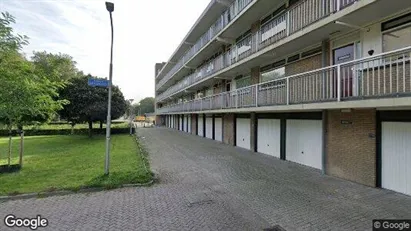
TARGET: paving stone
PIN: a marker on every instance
(228, 188)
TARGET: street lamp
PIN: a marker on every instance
(131, 116)
(110, 9)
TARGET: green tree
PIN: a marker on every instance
(25, 96)
(56, 67)
(89, 104)
(8, 40)
(145, 105)
(23, 93)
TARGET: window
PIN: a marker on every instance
(293, 58)
(272, 74)
(243, 82)
(396, 33)
(311, 52)
(396, 39)
(209, 92)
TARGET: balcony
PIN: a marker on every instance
(293, 20)
(383, 76)
(235, 8)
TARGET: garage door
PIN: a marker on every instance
(209, 127)
(189, 123)
(218, 129)
(396, 156)
(172, 121)
(304, 142)
(200, 126)
(269, 137)
(181, 123)
(243, 133)
(168, 121)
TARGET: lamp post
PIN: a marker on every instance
(131, 115)
(110, 9)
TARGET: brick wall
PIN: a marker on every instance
(194, 124)
(351, 152)
(228, 129)
(253, 131)
(305, 88)
(304, 65)
(255, 75)
(160, 120)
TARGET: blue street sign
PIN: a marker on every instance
(98, 82)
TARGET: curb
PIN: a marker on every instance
(67, 192)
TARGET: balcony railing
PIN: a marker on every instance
(381, 76)
(236, 7)
(294, 19)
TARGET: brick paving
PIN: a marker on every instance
(206, 185)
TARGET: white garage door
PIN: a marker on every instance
(209, 127)
(189, 123)
(243, 133)
(269, 137)
(396, 156)
(200, 126)
(180, 124)
(304, 142)
(218, 129)
(172, 121)
(169, 121)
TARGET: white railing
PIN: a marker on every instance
(294, 19)
(236, 7)
(381, 76)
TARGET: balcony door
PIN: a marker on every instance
(342, 55)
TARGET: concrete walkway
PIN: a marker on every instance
(207, 185)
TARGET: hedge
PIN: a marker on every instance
(82, 131)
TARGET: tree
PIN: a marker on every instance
(89, 104)
(8, 40)
(24, 95)
(56, 67)
(145, 105)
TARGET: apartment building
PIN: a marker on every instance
(323, 83)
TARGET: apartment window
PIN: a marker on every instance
(311, 52)
(243, 82)
(292, 2)
(396, 33)
(396, 39)
(293, 58)
(273, 15)
(209, 92)
(272, 74)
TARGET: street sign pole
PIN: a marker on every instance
(110, 8)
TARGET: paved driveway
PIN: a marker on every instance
(206, 185)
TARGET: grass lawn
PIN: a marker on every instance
(72, 162)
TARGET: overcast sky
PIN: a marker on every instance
(145, 32)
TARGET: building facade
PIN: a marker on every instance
(323, 83)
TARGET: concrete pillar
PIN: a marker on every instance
(255, 27)
(229, 129)
(253, 132)
(325, 53)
